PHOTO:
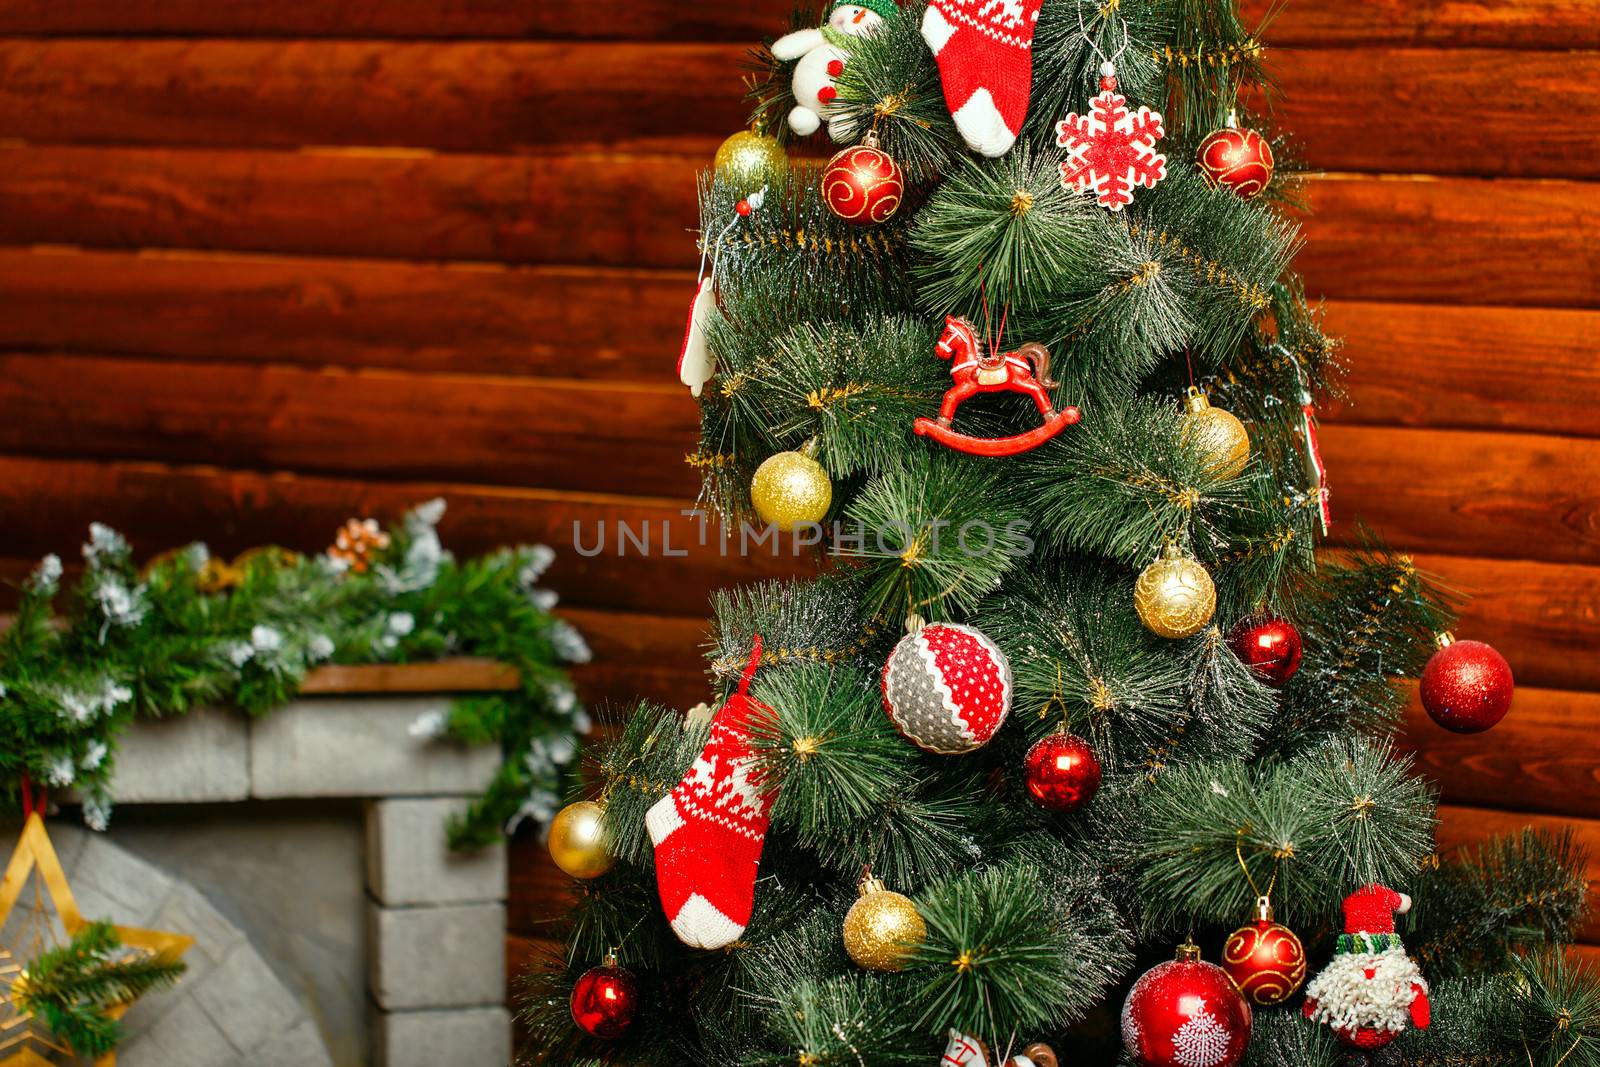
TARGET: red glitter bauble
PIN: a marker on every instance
(1467, 686)
(1239, 160)
(863, 185)
(1270, 646)
(605, 1001)
(1184, 1014)
(1266, 961)
(1062, 772)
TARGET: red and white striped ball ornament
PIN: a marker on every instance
(947, 688)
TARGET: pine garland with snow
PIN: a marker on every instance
(78, 665)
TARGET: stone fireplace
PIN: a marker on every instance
(332, 925)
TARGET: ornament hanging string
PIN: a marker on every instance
(872, 852)
(994, 339)
(1238, 850)
(927, 601)
(614, 953)
(1058, 699)
(1308, 432)
(753, 202)
(1083, 29)
(1563, 1024)
(1000, 335)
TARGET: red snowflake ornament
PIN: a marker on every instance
(1112, 149)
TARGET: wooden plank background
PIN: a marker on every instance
(264, 266)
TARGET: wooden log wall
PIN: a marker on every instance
(265, 266)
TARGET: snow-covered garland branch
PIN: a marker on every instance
(191, 629)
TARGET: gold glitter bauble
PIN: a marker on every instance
(577, 840)
(747, 161)
(1174, 596)
(1220, 435)
(883, 928)
(791, 489)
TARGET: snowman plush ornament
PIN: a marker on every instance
(822, 53)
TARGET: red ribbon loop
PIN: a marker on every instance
(32, 803)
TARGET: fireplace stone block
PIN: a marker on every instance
(194, 758)
(307, 750)
(434, 1038)
(399, 873)
(437, 957)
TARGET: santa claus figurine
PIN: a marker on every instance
(1371, 991)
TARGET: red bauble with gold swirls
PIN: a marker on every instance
(1467, 686)
(1265, 959)
(863, 184)
(1061, 772)
(1238, 160)
(1185, 1012)
(605, 1000)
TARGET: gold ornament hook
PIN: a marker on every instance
(1058, 699)
(1262, 897)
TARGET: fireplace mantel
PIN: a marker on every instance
(435, 920)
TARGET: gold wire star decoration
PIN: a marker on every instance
(34, 865)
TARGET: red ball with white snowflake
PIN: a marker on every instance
(947, 688)
(863, 184)
(1237, 160)
(1111, 150)
(1187, 1013)
(1467, 686)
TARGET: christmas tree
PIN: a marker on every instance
(1074, 738)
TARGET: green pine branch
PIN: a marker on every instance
(71, 989)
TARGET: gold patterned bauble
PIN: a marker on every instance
(883, 928)
(791, 489)
(1174, 595)
(747, 161)
(1220, 435)
(577, 840)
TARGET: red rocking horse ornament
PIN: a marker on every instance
(977, 370)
